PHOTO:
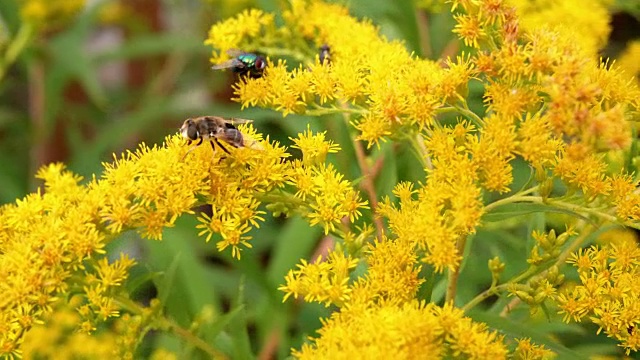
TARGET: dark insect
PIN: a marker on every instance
(325, 54)
(214, 129)
(244, 63)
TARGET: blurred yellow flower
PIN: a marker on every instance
(49, 14)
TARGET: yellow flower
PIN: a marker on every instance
(586, 24)
(624, 197)
(469, 28)
(627, 61)
(314, 147)
(333, 199)
(537, 143)
(49, 14)
(529, 351)
(323, 281)
(231, 33)
(583, 170)
(53, 241)
(494, 150)
(608, 291)
(404, 331)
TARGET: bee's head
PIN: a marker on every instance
(189, 130)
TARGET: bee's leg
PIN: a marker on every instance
(188, 151)
(221, 146)
(199, 142)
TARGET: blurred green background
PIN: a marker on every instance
(81, 87)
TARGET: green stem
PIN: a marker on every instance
(560, 204)
(319, 111)
(192, 339)
(532, 270)
(562, 258)
(17, 45)
(464, 110)
(446, 109)
(575, 244)
(569, 206)
(453, 275)
(367, 184)
(283, 197)
(518, 197)
(165, 323)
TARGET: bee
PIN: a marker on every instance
(325, 54)
(244, 63)
(214, 129)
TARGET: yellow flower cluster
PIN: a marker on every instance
(527, 350)
(404, 330)
(323, 281)
(547, 100)
(60, 339)
(628, 60)
(232, 33)
(47, 13)
(365, 71)
(378, 312)
(587, 23)
(322, 194)
(608, 293)
(450, 204)
(52, 242)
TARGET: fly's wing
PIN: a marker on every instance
(229, 64)
(235, 52)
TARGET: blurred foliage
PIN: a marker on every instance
(114, 74)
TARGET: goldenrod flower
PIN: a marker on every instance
(608, 292)
(529, 351)
(323, 281)
(53, 240)
(404, 331)
(231, 33)
(586, 23)
(628, 60)
(314, 147)
(469, 28)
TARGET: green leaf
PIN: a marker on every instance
(152, 45)
(10, 15)
(514, 330)
(388, 177)
(295, 241)
(223, 321)
(186, 288)
(68, 50)
(133, 284)
(238, 328)
(165, 284)
(426, 289)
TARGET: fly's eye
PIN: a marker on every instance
(260, 63)
(192, 131)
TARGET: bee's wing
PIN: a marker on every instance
(232, 63)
